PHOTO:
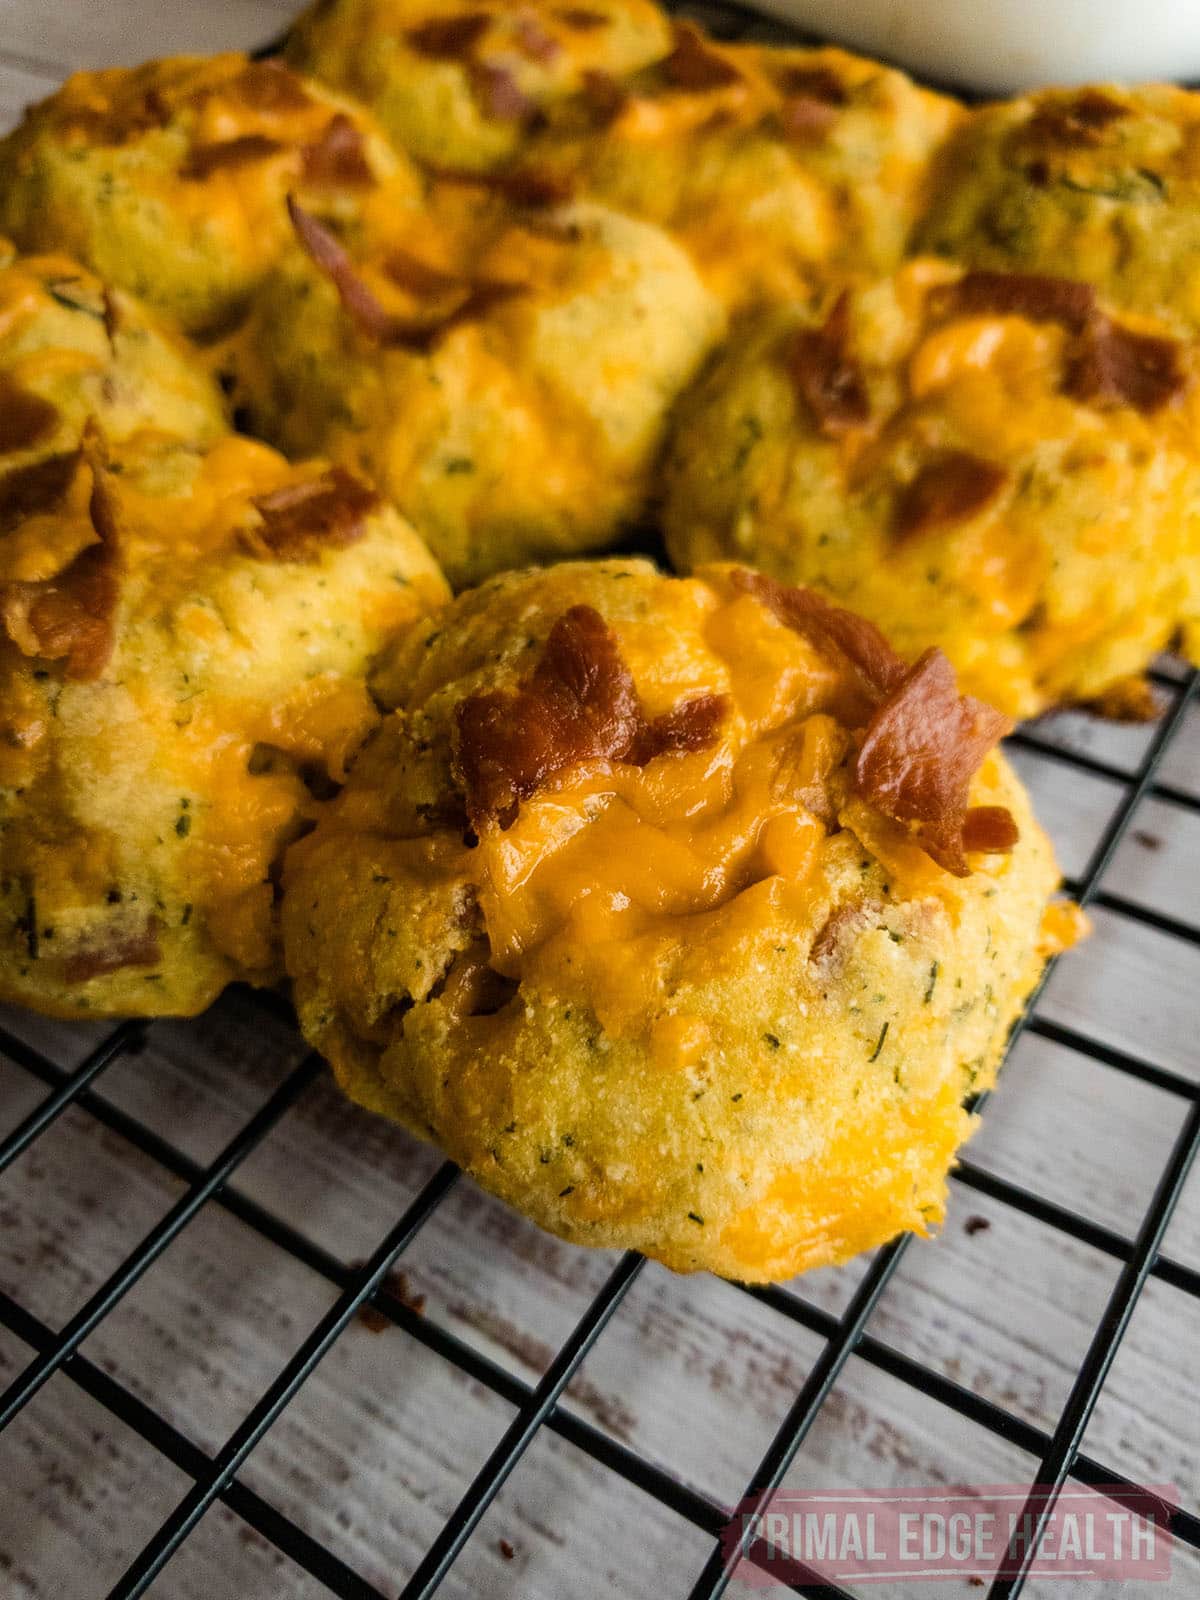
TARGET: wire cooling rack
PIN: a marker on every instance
(539, 1408)
(215, 1475)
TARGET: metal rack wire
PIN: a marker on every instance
(215, 1476)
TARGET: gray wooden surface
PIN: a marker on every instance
(693, 1373)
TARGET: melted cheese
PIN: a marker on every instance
(618, 883)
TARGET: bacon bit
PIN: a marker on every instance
(974, 1225)
(247, 150)
(1015, 294)
(814, 83)
(395, 1284)
(581, 20)
(506, 1549)
(692, 725)
(532, 40)
(111, 316)
(921, 749)
(813, 98)
(604, 95)
(1076, 123)
(499, 94)
(269, 86)
(535, 190)
(849, 636)
(112, 951)
(989, 829)
(580, 704)
(339, 156)
(418, 278)
(301, 519)
(25, 419)
(68, 617)
(417, 333)
(1113, 366)
(826, 375)
(804, 119)
(530, 188)
(27, 491)
(694, 65)
(106, 126)
(850, 917)
(449, 38)
(327, 253)
(953, 487)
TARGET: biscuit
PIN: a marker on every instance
(169, 179)
(1101, 184)
(678, 911)
(507, 382)
(990, 462)
(457, 83)
(773, 167)
(74, 348)
(184, 639)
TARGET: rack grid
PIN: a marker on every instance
(216, 1476)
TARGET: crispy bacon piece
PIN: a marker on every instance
(827, 377)
(849, 919)
(113, 126)
(528, 187)
(813, 96)
(604, 95)
(850, 637)
(582, 20)
(421, 280)
(694, 65)
(813, 83)
(68, 617)
(449, 38)
(1113, 366)
(25, 418)
(989, 829)
(245, 151)
(691, 725)
(327, 253)
(953, 487)
(418, 332)
(533, 41)
(1015, 294)
(302, 519)
(269, 86)
(921, 749)
(580, 704)
(339, 156)
(112, 950)
(1076, 123)
(499, 94)
(39, 487)
(804, 119)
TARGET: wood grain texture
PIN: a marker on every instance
(693, 1374)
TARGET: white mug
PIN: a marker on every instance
(1003, 46)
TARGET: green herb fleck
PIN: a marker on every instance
(883, 1032)
(692, 1217)
(932, 984)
